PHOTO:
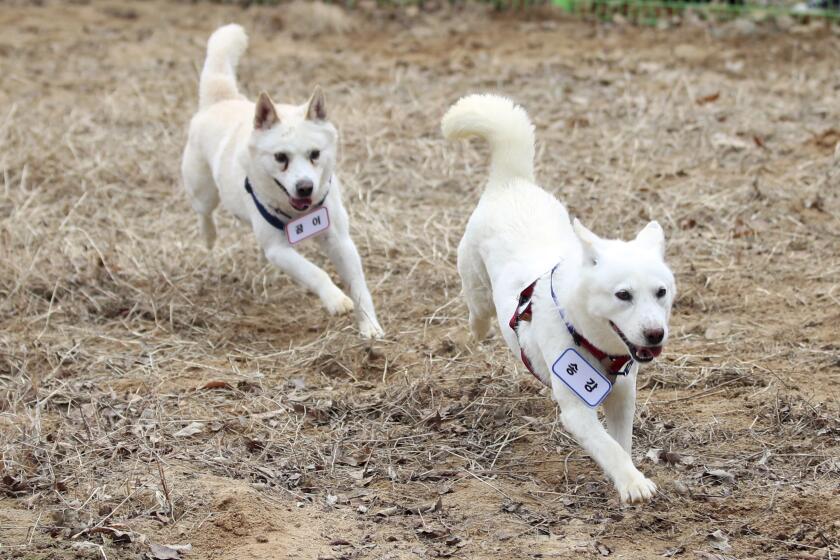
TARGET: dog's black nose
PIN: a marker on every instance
(654, 336)
(304, 187)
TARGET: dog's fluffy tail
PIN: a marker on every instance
(218, 78)
(504, 125)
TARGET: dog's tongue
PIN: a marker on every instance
(648, 352)
(300, 203)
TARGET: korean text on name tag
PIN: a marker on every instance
(308, 225)
(583, 379)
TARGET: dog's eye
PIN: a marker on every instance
(281, 158)
(660, 293)
(314, 155)
(624, 295)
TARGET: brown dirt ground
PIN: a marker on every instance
(314, 444)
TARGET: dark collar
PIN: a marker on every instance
(273, 219)
(617, 365)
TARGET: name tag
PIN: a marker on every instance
(583, 379)
(308, 225)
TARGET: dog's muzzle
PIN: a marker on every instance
(642, 354)
(299, 204)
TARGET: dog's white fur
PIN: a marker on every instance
(516, 234)
(231, 138)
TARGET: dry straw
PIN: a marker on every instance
(147, 384)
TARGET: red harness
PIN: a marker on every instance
(613, 364)
(523, 313)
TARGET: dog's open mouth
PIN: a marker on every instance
(300, 204)
(639, 353)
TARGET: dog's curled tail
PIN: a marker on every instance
(504, 125)
(218, 78)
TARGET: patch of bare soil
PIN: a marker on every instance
(155, 395)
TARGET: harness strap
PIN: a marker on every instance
(617, 365)
(271, 218)
(522, 313)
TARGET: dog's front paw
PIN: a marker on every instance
(337, 303)
(637, 489)
(371, 329)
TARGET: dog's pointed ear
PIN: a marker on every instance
(316, 110)
(653, 236)
(588, 240)
(265, 115)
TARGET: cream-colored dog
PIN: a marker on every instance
(580, 311)
(273, 167)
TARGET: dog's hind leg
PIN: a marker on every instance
(476, 289)
(202, 192)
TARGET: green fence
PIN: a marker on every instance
(650, 11)
(642, 11)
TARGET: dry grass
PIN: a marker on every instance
(118, 330)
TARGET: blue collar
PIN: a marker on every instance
(618, 365)
(268, 216)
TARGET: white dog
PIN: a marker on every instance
(273, 167)
(581, 311)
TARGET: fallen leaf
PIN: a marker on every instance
(680, 488)
(437, 505)
(434, 421)
(318, 413)
(721, 474)
(688, 223)
(721, 140)
(661, 456)
(269, 414)
(217, 385)
(430, 533)
(167, 551)
(827, 139)
(388, 511)
(359, 457)
(735, 66)
(717, 331)
(709, 556)
(433, 475)
(653, 454)
(268, 472)
(708, 98)
(671, 457)
(577, 122)
(452, 540)
(742, 229)
(190, 430)
(671, 552)
(511, 507)
(764, 457)
(118, 536)
(297, 383)
(720, 541)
